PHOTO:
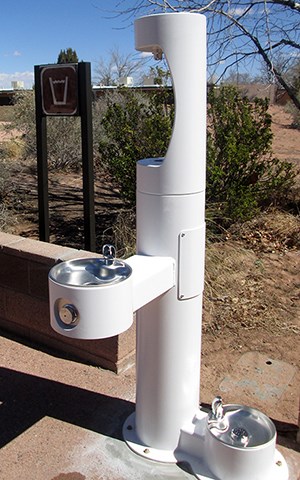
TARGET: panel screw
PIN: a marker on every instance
(146, 450)
(129, 427)
(279, 463)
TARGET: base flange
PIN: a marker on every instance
(198, 465)
(135, 444)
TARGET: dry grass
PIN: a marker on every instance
(123, 234)
(272, 231)
(232, 279)
(6, 113)
(253, 283)
(11, 149)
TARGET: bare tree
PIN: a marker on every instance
(118, 65)
(236, 77)
(239, 32)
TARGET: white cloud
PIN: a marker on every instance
(7, 78)
(146, 54)
(15, 53)
(237, 11)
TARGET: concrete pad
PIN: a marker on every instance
(62, 420)
(51, 450)
(260, 376)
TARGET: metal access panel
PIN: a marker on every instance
(190, 267)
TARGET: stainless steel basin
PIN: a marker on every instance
(242, 427)
(90, 272)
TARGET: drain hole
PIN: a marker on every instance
(268, 362)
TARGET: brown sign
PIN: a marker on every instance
(59, 84)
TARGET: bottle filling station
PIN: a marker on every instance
(163, 283)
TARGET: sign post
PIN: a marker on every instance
(85, 102)
(42, 166)
(65, 90)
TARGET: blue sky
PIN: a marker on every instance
(32, 32)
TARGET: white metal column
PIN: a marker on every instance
(170, 222)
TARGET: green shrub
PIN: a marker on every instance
(135, 127)
(242, 174)
(24, 121)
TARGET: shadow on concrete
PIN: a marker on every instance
(287, 435)
(26, 399)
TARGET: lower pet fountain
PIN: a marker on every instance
(230, 442)
(240, 444)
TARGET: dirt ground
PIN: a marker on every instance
(252, 301)
(252, 294)
(286, 141)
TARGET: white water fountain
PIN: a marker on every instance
(163, 283)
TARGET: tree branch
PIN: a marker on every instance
(265, 24)
(267, 60)
(288, 3)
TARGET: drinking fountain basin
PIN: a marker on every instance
(240, 443)
(91, 298)
(88, 272)
(240, 426)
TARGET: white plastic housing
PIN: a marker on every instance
(103, 311)
(151, 277)
(182, 38)
(231, 463)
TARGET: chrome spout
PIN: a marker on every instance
(217, 408)
(109, 254)
(216, 418)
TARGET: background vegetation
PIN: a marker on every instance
(243, 176)
(134, 127)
